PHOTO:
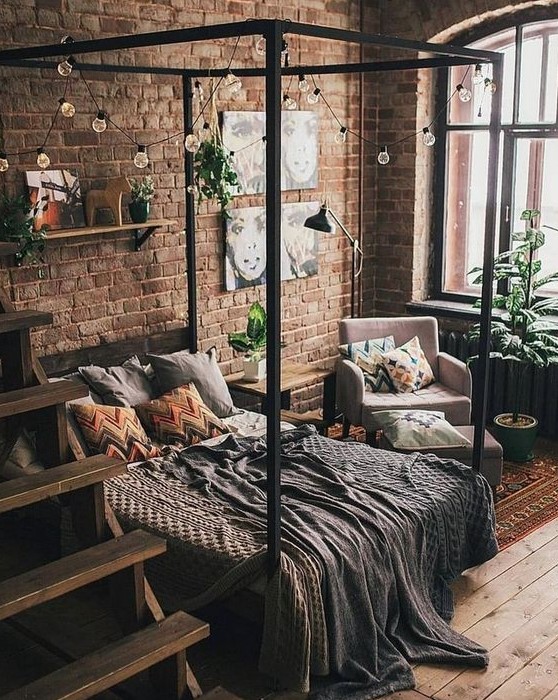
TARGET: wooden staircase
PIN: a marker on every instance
(154, 642)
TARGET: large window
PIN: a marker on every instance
(528, 169)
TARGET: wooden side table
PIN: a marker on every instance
(293, 376)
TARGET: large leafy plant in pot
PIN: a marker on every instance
(521, 330)
(252, 343)
(16, 226)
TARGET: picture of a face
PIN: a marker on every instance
(240, 129)
(299, 162)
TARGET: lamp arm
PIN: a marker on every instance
(347, 234)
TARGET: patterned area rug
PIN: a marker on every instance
(528, 496)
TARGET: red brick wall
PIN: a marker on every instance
(98, 288)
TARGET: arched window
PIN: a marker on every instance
(528, 169)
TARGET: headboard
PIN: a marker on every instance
(115, 353)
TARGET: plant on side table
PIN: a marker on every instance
(16, 226)
(521, 330)
(141, 193)
(252, 343)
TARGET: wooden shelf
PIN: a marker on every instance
(141, 231)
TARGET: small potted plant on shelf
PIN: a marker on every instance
(252, 343)
(521, 330)
(16, 226)
(141, 193)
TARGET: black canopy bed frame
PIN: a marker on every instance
(428, 56)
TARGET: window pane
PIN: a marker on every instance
(551, 92)
(530, 89)
(467, 167)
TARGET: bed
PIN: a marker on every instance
(370, 542)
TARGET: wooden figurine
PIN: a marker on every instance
(108, 198)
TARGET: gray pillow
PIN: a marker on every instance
(125, 385)
(182, 367)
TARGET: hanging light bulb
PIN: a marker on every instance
(205, 132)
(284, 54)
(233, 82)
(192, 143)
(463, 93)
(198, 90)
(43, 161)
(100, 122)
(260, 46)
(477, 75)
(192, 189)
(141, 160)
(67, 108)
(313, 97)
(303, 84)
(288, 102)
(428, 137)
(65, 67)
(490, 85)
(4, 165)
(341, 135)
(383, 156)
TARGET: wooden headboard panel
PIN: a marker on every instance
(115, 353)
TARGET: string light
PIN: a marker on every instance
(383, 156)
(100, 122)
(67, 108)
(463, 93)
(341, 135)
(66, 66)
(233, 82)
(192, 143)
(288, 102)
(4, 165)
(260, 46)
(198, 90)
(141, 159)
(428, 137)
(313, 97)
(43, 161)
(490, 85)
(284, 54)
(303, 84)
(205, 132)
(192, 189)
(477, 78)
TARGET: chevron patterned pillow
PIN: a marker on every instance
(180, 416)
(367, 354)
(115, 431)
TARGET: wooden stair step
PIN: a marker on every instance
(23, 320)
(7, 248)
(76, 570)
(116, 662)
(35, 397)
(58, 480)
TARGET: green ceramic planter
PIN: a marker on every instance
(517, 441)
(139, 212)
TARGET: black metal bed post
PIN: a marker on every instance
(483, 363)
(190, 218)
(273, 38)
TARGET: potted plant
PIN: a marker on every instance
(521, 330)
(16, 226)
(140, 195)
(214, 174)
(252, 342)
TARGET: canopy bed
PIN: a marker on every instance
(302, 447)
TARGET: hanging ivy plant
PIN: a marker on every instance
(214, 174)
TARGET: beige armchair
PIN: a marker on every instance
(450, 393)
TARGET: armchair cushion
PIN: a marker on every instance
(410, 430)
(367, 354)
(408, 367)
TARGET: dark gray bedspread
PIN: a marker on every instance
(389, 531)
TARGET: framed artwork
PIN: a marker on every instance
(56, 195)
(242, 134)
(245, 251)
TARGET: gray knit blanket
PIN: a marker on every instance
(371, 541)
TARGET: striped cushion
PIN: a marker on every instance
(115, 431)
(367, 354)
(180, 416)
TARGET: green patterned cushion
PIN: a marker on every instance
(180, 416)
(417, 430)
(115, 431)
(408, 367)
(367, 354)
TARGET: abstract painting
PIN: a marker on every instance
(57, 197)
(243, 133)
(245, 250)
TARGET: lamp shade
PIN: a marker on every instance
(319, 221)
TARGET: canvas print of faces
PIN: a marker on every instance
(245, 256)
(242, 134)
